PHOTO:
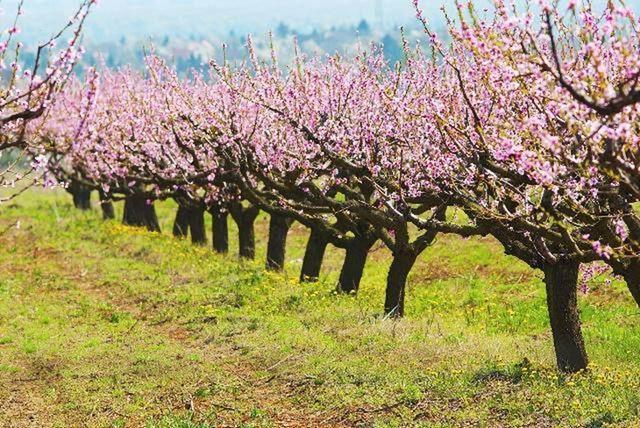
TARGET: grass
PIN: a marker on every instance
(104, 325)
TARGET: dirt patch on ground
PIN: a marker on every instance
(21, 403)
(433, 270)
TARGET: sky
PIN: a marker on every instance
(140, 19)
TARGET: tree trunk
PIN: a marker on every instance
(139, 213)
(108, 211)
(277, 246)
(631, 276)
(245, 219)
(81, 196)
(396, 283)
(247, 240)
(196, 224)
(313, 255)
(561, 283)
(353, 265)
(220, 231)
(181, 222)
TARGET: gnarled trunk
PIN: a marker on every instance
(313, 256)
(181, 222)
(245, 219)
(139, 213)
(108, 211)
(401, 265)
(277, 246)
(196, 224)
(561, 284)
(353, 266)
(220, 231)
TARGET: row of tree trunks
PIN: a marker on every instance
(245, 218)
(192, 220)
(82, 200)
(560, 278)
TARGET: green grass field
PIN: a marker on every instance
(104, 325)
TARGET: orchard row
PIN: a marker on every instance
(522, 126)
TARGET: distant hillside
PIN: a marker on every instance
(137, 19)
